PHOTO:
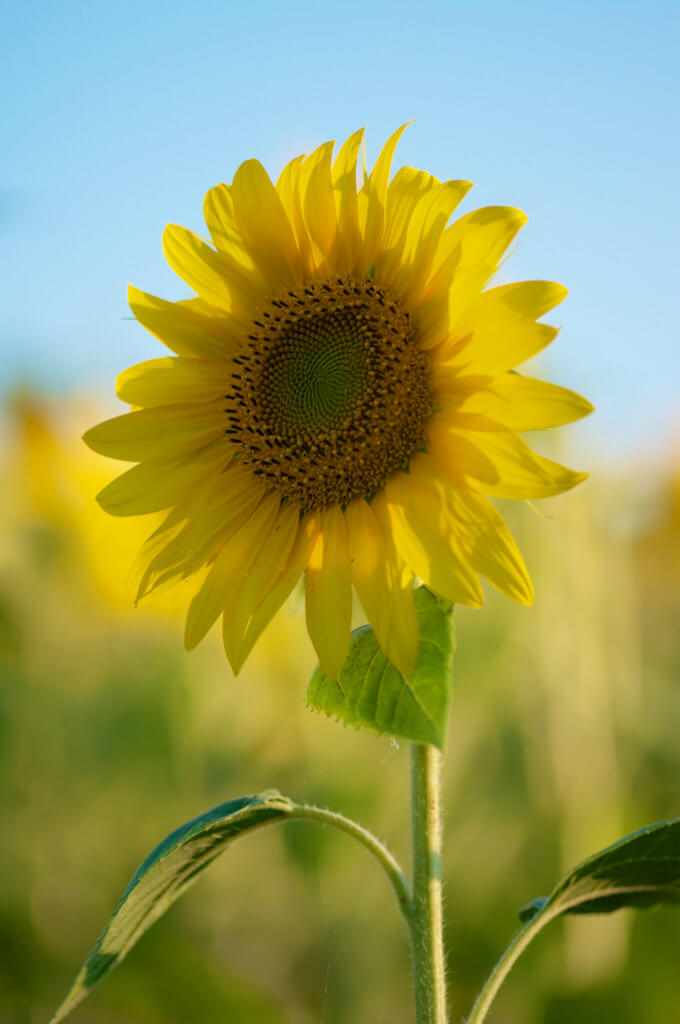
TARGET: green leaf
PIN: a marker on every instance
(370, 692)
(639, 871)
(165, 874)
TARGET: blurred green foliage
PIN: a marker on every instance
(563, 737)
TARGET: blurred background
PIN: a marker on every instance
(566, 717)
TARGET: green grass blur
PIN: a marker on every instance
(564, 736)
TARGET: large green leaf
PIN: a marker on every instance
(165, 874)
(639, 871)
(370, 692)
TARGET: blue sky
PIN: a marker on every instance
(118, 117)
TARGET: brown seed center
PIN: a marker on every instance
(331, 393)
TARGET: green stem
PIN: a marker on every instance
(425, 920)
(503, 968)
(367, 839)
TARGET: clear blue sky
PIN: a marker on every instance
(118, 116)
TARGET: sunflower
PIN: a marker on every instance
(341, 403)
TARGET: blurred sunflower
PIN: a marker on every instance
(54, 481)
(340, 403)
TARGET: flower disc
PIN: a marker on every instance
(331, 394)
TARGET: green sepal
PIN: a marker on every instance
(371, 693)
(166, 873)
(639, 871)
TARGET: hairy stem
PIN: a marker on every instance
(426, 907)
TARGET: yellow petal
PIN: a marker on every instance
(218, 211)
(162, 432)
(203, 269)
(452, 449)
(281, 588)
(329, 592)
(168, 380)
(269, 563)
(435, 209)
(499, 330)
(490, 546)
(527, 299)
(522, 403)
(412, 509)
(264, 226)
(520, 472)
(405, 189)
(229, 571)
(480, 238)
(346, 205)
(153, 486)
(184, 331)
(494, 347)
(453, 385)
(289, 188)
(319, 205)
(375, 191)
(425, 230)
(384, 587)
(404, 192)
(467, 256)
(195, 530)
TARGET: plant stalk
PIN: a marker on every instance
(426, 927)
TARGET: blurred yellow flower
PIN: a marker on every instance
(54, 481)
(340, 404)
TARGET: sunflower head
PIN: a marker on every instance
(341, 403)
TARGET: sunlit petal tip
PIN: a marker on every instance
(122, 380)
(566, 481)
(102, 500)
(192, 636)
(514, 215)
(235, 663)
(168, 233)
(329, 144)
(96, 438)
(112, 500)
(331, 666)
(521, 587)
